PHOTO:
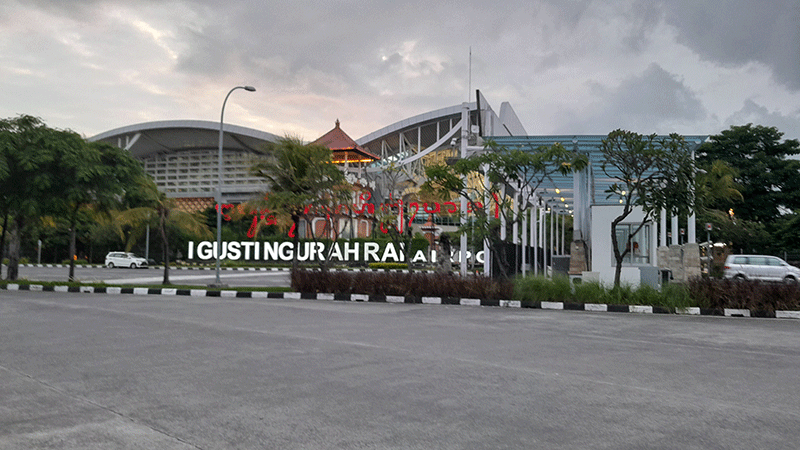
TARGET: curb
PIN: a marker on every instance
(255, 269)
(590, 307)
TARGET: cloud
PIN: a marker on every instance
(653, 101)
(754, 113)
(575, 66)
(739, 31)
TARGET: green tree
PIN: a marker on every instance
(766, 177)
(513, 176)
(715, 186)
(649, 172)
(159, 211)
(30, 179)
(94, 177)
(303, 184)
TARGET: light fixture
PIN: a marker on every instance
(217, 282)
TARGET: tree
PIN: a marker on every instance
(30, 178)
(715, 186)
(766, 177)
(513, 176)
(651, 173)
(94, 177)
(304, 183)
(160, 211)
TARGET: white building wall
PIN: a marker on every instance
(602, 252)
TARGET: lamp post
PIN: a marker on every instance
(217, 282)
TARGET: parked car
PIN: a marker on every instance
(760, 267)
(123, 259)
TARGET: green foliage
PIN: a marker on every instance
(301, 175)
(649, 172)
(559, 289)
(522, 171)
(56, 173)
(161, 213)
(765, 174)
(589, 292)
(743, 236)
(414, 285)
(388, 266)
(542, 289)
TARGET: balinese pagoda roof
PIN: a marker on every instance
(344, 148)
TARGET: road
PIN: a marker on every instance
(92, 371)
(118, 276)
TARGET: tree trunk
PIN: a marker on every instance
(296, 240)
(165, 249)
(72, 250)
(13, 250)
(3, 242)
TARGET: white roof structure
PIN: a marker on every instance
(182, 156)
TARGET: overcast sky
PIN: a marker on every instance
(566, 66)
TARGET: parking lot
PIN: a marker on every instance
(121, 371)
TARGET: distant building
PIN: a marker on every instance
(181, 155)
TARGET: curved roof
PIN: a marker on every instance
(169, 136)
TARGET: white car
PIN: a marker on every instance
(122, 259)
(760, 267)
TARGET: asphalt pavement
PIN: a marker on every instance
(90, 371)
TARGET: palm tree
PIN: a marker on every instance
(716, 186)
(300, 175)
(160, 211)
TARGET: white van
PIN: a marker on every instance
(123, 259)
(760, 267)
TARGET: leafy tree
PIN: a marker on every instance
(741, 235)
(515, 171)
(715, 186)
(95, 176)
(304, 183)
(650, 172)
(766, 177)
(161, 212)
(30, 179)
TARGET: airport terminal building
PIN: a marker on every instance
(181, 156)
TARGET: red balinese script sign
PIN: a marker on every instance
(361, 208)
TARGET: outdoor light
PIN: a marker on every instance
(219, 181)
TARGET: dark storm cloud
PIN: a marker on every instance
(740, 31)
(752, 112)
(655, 101)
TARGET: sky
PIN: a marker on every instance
(565, 66)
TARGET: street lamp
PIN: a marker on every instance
(217, 282)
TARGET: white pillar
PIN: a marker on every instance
(663, 230)
(534, 240)
(675, 231)
(552, 238)
(524, 244)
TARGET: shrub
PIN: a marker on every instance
(416, 284)
(388, 266)
(589, 292)
(541, 289)
(754, 295)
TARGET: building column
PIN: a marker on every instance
(676, 232)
